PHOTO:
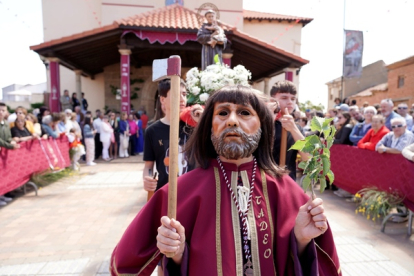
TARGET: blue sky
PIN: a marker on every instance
(386, 26)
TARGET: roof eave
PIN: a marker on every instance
(158, 29)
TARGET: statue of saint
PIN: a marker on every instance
(213, 39)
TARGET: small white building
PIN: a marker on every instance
(15, 95)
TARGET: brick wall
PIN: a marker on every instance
(404, 94)
(374, 99)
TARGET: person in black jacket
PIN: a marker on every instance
(75, 101)
(84, 103)
(344, 129)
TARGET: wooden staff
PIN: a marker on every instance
(283, 144)
(171, 68)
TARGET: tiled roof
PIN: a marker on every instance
(169, 17)
(75, 36)
(173, 16)
(401, 63)
(368, 92)
(250, 15)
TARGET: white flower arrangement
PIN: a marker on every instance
(202, 84)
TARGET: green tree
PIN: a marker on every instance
(310, 105)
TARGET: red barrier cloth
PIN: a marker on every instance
(17, 166)
(163, 37)
(356, 169)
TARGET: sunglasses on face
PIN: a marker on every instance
(403, 108)
(397, 126)
(339, 118)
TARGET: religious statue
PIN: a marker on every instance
(213, 39)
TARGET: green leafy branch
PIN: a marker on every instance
(318, 166)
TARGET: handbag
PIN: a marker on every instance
(125, 141)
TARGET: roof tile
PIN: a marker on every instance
(173, 16)
(273, 16)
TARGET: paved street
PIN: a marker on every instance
(73, 225)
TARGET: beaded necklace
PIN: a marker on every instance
(245, 205)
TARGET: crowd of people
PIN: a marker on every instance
(109, 134)
(112, 134)
(382, 128)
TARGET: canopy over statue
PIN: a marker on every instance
(213, 39)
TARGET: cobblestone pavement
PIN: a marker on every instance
(73, 225)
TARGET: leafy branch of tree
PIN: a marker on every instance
(318, 167)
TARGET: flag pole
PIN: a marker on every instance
(343, 53)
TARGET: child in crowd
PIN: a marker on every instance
(76, 149)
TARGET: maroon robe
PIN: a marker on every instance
(214, 245)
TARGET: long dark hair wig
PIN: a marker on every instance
(199, 147)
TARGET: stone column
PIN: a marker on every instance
(289, 75)
(78, 82)
(227, 58)
(54, 98)
(266, 89)
(125, 85)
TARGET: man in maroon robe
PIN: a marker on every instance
(237, 213)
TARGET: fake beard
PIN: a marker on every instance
(236, 150)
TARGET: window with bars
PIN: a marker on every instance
(400, 81)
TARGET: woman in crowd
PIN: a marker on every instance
(123, 135)
(49, 123)
(303, 123)
(343, 129)
(88, 133)
(139, 140)
(107, 135)
(75, 101)
(133, 130)
(76, 126)
(361, 129)
(61, 126)
(375, 134)
(337, 102)
(21, 113)
(20, 133)
(113, 149)
(43, 111)
(37, 128)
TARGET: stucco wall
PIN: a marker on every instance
(66, 17)
(268, 31)
(231, 12)
(94, 91)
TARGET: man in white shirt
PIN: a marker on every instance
(396, 140)
(97, 126)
